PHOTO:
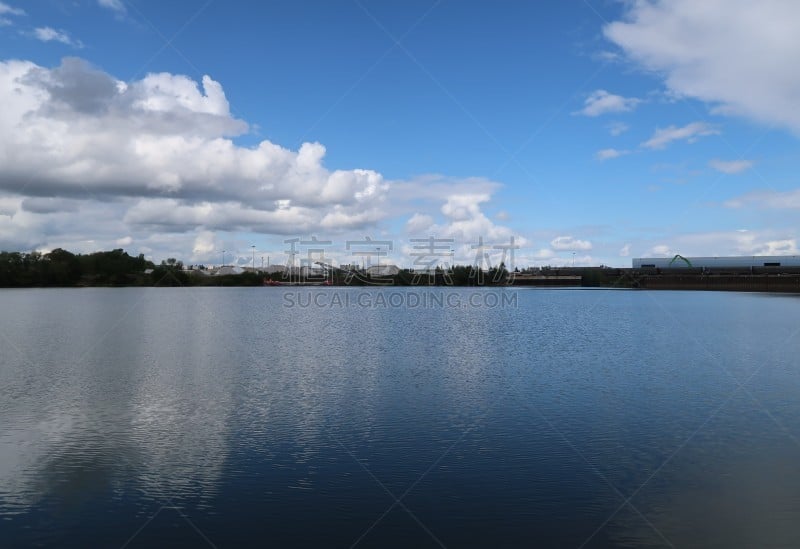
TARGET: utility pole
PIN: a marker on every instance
(223, 258)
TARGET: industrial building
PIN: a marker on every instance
(736, 262)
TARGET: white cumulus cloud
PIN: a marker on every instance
(204, 245)
(730, 243)
(569, 243)
(114, 5)
(90, 162)
(164, 140)
(602, 102)
(49, 34)
(689, 133)
(738, 55)
(767, 200)
(6, 9)
(787, 246)
(607, 154)
(465, 225)
(419, 224)
(661, 250)
(6, 14)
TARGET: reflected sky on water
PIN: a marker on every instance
(136, 416)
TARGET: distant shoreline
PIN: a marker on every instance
(115, 268)
(764, 283)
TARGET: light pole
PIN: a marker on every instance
(223, 258)
(254, 257)
(573, 259)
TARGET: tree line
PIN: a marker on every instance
(116, 268)
(63, 268)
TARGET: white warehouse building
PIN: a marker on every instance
(679, 262)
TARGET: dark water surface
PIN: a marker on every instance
(221, 417)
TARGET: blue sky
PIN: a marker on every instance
(589, 131)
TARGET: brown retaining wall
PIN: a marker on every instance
(741, 283)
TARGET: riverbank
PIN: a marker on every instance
(767, 279)
(116, 268)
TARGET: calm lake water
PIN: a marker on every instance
(235, 417)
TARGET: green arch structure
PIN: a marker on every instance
(677, 257)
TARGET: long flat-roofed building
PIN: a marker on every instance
(680, 262)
